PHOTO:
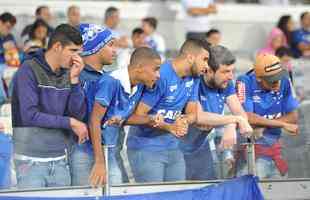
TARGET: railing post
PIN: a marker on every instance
(106, 191)
(251, 156)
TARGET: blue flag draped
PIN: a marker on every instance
(243, 188)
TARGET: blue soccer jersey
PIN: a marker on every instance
(88, 78)
(113, 92)
(169, 98)
(299, 36)
(268, 104)
(212, 100)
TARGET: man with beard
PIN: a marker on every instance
(215, 90)
(154, 153)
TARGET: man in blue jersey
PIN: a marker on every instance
(154, 153)
(99, 49)
(267, 97)
(216, 89)
(116, 95)
(301, 37)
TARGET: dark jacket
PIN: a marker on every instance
(42, 103)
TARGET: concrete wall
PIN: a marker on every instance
(244, 27)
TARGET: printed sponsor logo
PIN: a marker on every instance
(169, 114)
(173, 88)
(170, 98)
(189, 83)
(256, 99)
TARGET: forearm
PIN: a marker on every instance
(95, 134)
(242, 114)
(191, 118)
(213, 119)
(291, 118)
(44, 120)
(136, 119)
(147, 120)
(259, 121)
(77, 102)
(304, 47)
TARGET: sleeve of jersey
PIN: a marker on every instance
(106, 89)
(244, 94)
(194, 95)
(230, 89)
(290, 102)
(152, 96)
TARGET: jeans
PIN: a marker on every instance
(116, 169)
(265, 168)
(32, 174)
(82, 161)
(158, 166)
(200, 165)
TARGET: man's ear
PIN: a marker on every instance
(190, 59)
(57, 47)
(139, 67)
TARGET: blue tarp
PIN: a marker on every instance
(243, 188)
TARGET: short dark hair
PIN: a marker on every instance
(192, 45)
(282, 25)
(143, 54)
(138, 31)
(36, 24)
(8, 17)
(212, 31)
(66, 35)
(110, 11)
(303, 14)
(70, 8)
(39, 10)
(221, 56)
(152, 21)
(283, 51)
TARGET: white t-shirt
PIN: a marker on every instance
(157, 42)
(123, 58)
(196, 23)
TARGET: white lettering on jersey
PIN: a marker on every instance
(189, 83)
(173, 88)
(170, 98)
(256, 99)
(203, 98)
(170, 114)
(273, 116)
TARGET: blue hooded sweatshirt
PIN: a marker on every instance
(42, 103)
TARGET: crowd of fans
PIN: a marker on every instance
(66, 106)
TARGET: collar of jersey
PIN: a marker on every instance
(122, 75)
